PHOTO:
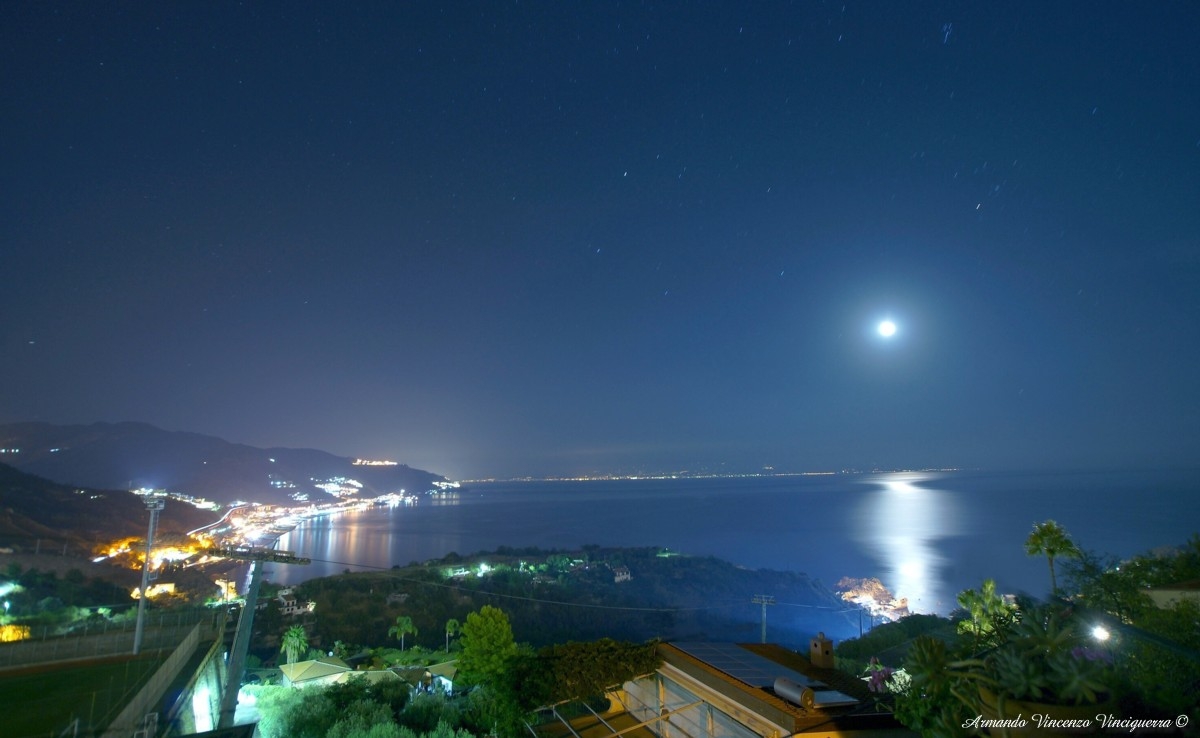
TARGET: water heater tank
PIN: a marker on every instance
(794, 693)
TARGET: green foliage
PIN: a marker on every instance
(931, 706)
(311, 717)
(444, 730)
(453, 628)
(42, 595)
(343, 650)
(988, 615)
(487, 644)
(528, 682)
(358, 718)
(1051, 540)
(578, 671)
(379, 730)
(1047, 658)
(492, 711)
(668, 598)
(1151, 643)
(889, 642)
(404, 625)
(294, 643)
(426, 712)
(1152, 656)
(1103, 584)
(342, 709)
(269, 620)
(1044, 657)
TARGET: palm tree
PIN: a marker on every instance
(404, 624)
(452, 629)
(295, 643)
(1051, 540)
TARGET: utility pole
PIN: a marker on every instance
(764, 600)
(155, 504)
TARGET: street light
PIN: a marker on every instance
(155, 504)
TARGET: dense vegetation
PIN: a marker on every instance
(500, 683)
(555, 597)
(35, 598)
(1148, 667)
(527, 628)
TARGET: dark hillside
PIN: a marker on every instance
(33, 509)
(555, 597)
(132, 455)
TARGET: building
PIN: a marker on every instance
(313, 672)
(289, 606)
(1169, 595)
(726, 690)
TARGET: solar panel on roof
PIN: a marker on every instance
(831, 698)
(745, 666)
(759, 671)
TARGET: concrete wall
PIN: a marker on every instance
(147, 700)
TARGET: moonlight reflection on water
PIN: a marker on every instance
(902, 524)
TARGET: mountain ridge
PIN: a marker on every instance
(130, 454)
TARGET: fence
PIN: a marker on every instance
(162, 631)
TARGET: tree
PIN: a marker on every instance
(990, 616)
(453, 627)
(581, 671)
(1105, 583)
(487, 644)
(295, 643)
(403, 626)
(1051, 540)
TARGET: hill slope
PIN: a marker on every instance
(132, 455)
(564, 596)
(33, 509)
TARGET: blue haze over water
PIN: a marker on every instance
(926, 535)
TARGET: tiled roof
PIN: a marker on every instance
(303, 671)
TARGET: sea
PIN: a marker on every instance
(925, 535)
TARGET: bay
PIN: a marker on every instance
(926, 535)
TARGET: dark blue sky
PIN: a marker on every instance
(553, 238)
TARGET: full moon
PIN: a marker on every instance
(887, 329)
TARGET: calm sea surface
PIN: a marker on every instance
(926, 535)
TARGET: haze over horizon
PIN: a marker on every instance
(543, 239)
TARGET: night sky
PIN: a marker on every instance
(553, 238)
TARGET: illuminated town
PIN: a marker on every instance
(244, 526)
